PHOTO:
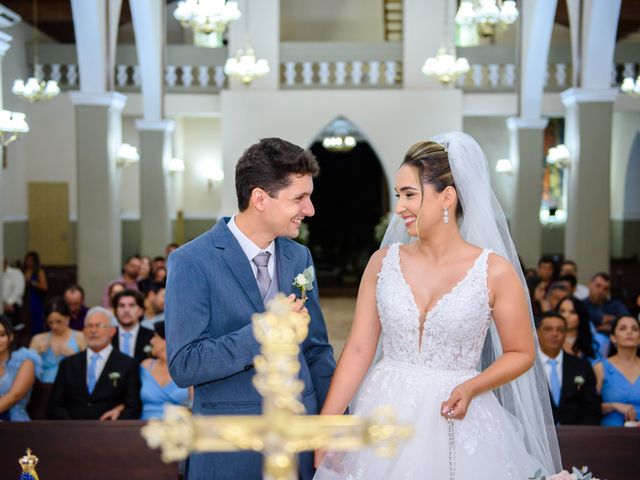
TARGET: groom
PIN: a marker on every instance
(219, 280)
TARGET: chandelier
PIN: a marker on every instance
(206, 16)
(34, 89)
(631, 86)
(488, 15)
(12, 124)
(245, 66)
(559, 157)
(445, 66)
(127, 155)
(340, 136)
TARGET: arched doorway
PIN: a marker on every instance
(350, 195)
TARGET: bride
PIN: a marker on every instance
(445, 298)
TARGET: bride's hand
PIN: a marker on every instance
(318, 455)
(457, 404)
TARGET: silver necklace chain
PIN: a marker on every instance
(452, 449)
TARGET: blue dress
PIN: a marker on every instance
(50, 360)
(17, 413)
(154, 397)
(616, 388)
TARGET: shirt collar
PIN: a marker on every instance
(544, 358)
(103, 354)
(133, 331)
(249, 248)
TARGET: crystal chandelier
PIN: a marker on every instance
(34, 89)
(631, 86)
(206, 16)
(12, 124)
(445, 66)
(245, 66)
(488, 15)
(340, 136)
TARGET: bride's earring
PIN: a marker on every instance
(445, 215)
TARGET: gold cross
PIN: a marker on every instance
(283, 429)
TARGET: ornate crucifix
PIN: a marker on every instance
(283, 429)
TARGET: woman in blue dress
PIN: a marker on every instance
(158, 389)
(619, 376)
(59, 342)
(37, 287)
(18, 371)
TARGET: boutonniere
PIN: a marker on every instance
(114, 376)
(578, 380)
(147, 350)
(304, 281)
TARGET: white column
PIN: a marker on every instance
(264, 34)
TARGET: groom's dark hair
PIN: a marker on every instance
(268, 164)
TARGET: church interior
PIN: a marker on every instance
(123, 120)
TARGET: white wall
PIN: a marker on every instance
(626, 125)
(391, 120)
(331, 20)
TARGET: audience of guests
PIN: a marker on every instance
(556, 292)
(131, 339)
(572, 383)
(154, 306)
(74, 296)
(36, 290)
(100, 383)
(145, 276)
(129, 277)
(602, 309)
(619, 376)
(580, 339)
(13, 285)
(18, 372)
(158, 389)
(59, 342)
(569, 267)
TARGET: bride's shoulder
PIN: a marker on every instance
(376, 260)
(499, 268)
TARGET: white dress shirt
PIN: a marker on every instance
(250, 249)
(104, 356)
(13, 285)
(132, 341)
(547, 367)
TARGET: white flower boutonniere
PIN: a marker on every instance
(578, 380)
(147, 350)
(114, 376)
(304, 281)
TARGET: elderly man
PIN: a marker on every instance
(99, 383)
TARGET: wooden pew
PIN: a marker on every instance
(82, 449)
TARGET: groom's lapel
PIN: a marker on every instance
(285, 265)
(237, 261)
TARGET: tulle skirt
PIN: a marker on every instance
(489, 444)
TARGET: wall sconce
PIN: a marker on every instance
(559, 157)
(176, 165)
(12, 124)
(504, 166)
(127, 155)
(213, 174)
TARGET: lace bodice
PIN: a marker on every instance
(454, 329)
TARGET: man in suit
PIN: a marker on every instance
(131, 338)
(219, 280)
(99, 383)
(572, 383)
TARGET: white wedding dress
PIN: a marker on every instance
(489, 444)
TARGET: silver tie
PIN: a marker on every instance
(264, 280)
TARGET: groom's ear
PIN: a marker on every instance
(257, 199)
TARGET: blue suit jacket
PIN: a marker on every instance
(210, 298)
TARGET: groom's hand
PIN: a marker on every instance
(297, 305)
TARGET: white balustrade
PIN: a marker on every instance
(356, 73)
(72, 74)
(494, 74)
(218, 76)
(323, 73)
(171, 75)
(137, 80)
(509, 75)
(122, 75)
(307, 73)
(374, 73)
(55, 72)
(629, 70)
(390, 72)
(290, 73)
(341, 73)
(477, 75)
(203, 75)
(561, 74)
(187, 75)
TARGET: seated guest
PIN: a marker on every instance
(100, 383)
(569, 267)
(158, 389)
(556, 292)
(602, 310)
(114, 289)
(13, 286)
(546, 269)
(572, 383)
(129, 277)
(160, 275)
(579, 339)
(144, 275)
(154, 306)
(619, 375)
(158, 262)
(74, 296)
(18, 372)
(131, 338)
(60, 342)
